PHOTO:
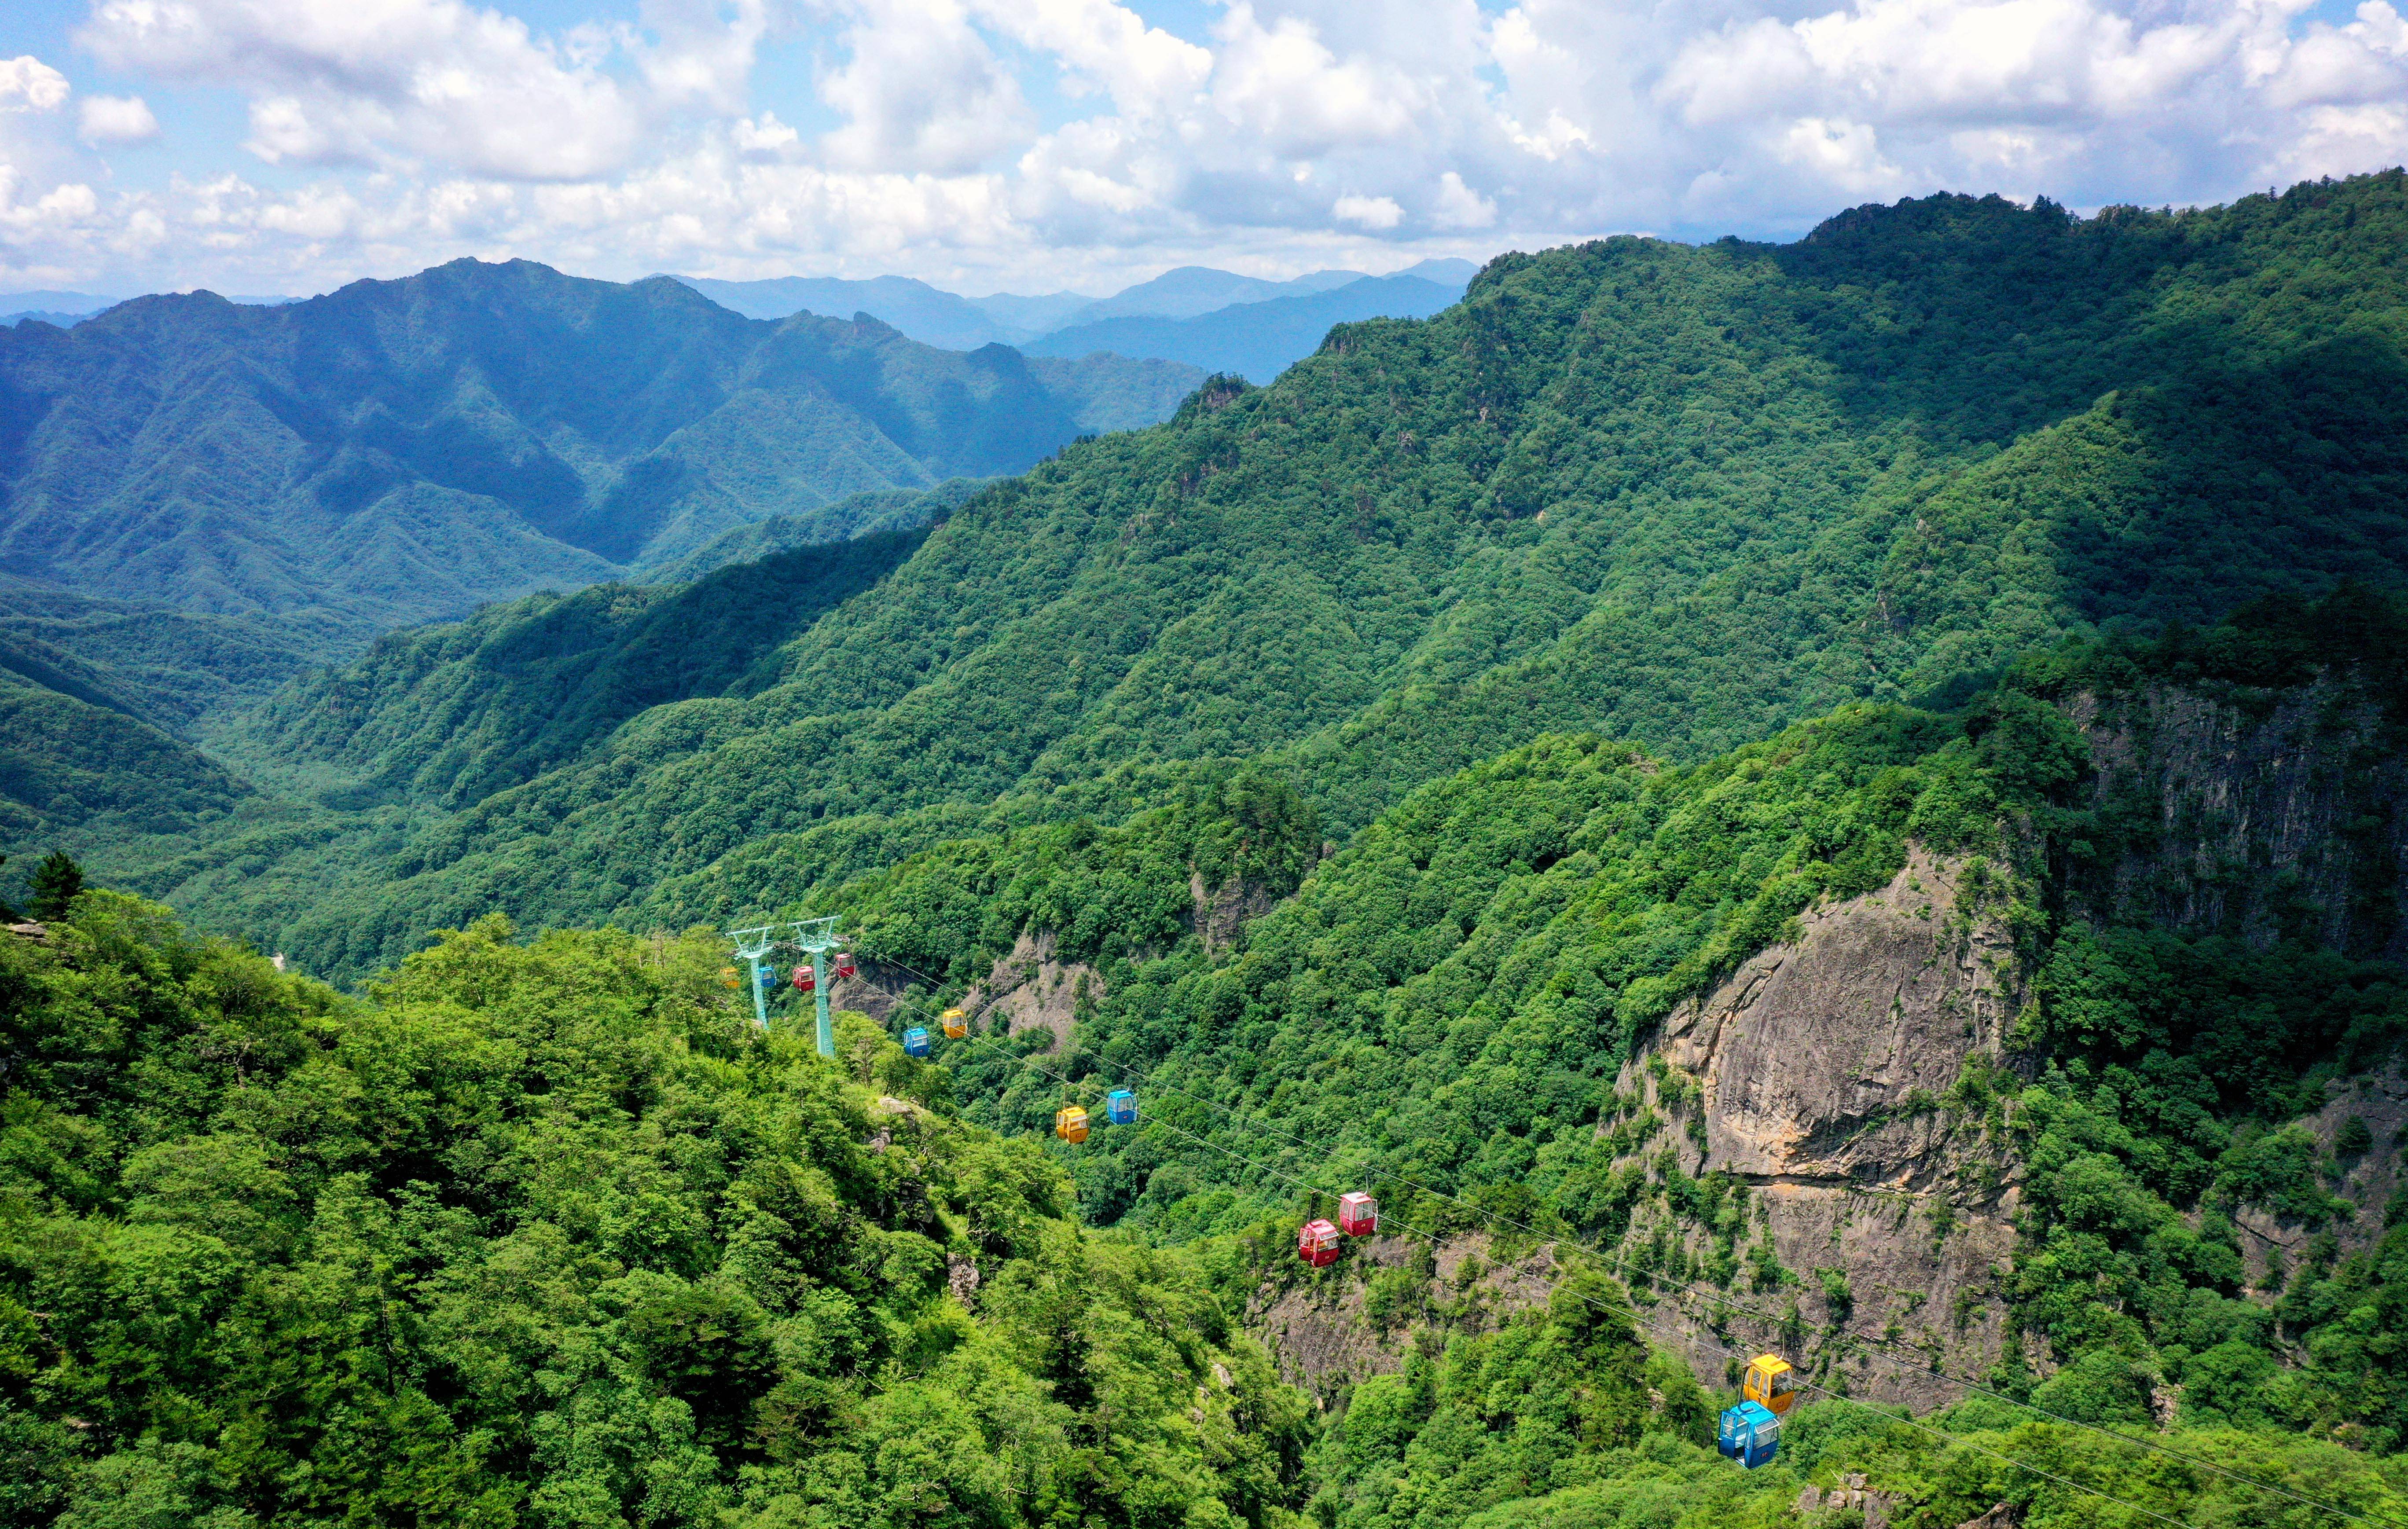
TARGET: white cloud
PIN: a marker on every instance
(1048, 142)
(28, 84)
(922, 91)
(1282, 84)
(1368, 211)
(115, 120)
(385, 81)
(1459, 206)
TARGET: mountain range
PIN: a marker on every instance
(1685, 496)
(940, 318)
(1842, 798)
(400, 451)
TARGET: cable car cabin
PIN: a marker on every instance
(1316, 1243)
(1070, 1123)
(1750, 1435)
(1358, 1214)
(804, 980)
(728, 977)
(1772, 1382)
(915, 1040)
(1120, 1105)
(844, 966)
(957, 1024)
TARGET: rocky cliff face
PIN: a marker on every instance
(2259, 821)
(1824, 1075)
(1032, 988)
(1820, 1076)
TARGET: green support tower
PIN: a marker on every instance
(814, 937)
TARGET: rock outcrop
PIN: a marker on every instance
(2263, 817)
(1031, 988)
(1824, 1074)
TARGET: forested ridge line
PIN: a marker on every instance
(1685, 496)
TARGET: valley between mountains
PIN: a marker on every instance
(1842, 798)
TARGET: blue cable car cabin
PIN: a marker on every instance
(1121, 1106)
(915, 1040)
(1751, 1434)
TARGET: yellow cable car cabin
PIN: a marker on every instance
(1070, 1123)
(728, 977)
(1772, 1382)
(957, 1024)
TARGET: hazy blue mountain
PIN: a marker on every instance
(401, 452)
(46, 301)
(927, 314)
(936, 317)
(1442, 268)
(1191, 290)
(1254, 340)
(1029, 317)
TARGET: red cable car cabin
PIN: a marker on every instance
(844, 966)
(804, 980)
(1358, 1215)
(1316, 1243)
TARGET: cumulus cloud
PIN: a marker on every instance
(1368, 211)
(1019, 142)
(28, 84)
(115, 120)
(385, 82)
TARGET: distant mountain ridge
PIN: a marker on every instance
(1064, 323)
(1257, 341)
(404, 452)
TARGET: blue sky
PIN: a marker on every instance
(1031, 145)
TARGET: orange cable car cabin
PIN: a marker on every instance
(1770, 1383)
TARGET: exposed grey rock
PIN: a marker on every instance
(1820, 1070)
(1032, 989)
(962, 1279)
(2308, 787)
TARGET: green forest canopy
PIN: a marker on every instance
(1682, 496)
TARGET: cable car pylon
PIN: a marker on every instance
(814, 937)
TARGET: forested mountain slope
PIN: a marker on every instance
(403, 451)
(544, 1232)
(2049, 1045)
(546, 1236)
(1682, 496)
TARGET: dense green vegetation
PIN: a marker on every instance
(1681, 497)
(543, 1234)
(1440, 1012)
